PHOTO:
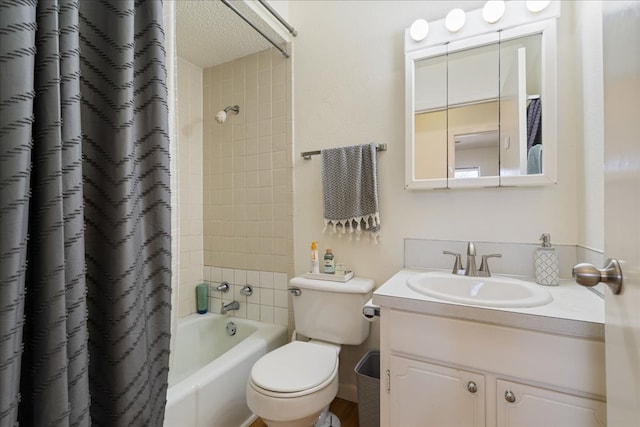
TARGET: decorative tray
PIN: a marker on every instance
(332, 277)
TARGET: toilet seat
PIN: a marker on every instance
(296, 369)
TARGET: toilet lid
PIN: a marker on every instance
(295, 367)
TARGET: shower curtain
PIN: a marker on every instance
(85, 213)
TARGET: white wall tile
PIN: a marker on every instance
(266, 279)
(266, 313)
(280, 281)
(266, 296)
(240, 277)
(253, 311)
(216, 274)
(253, 278)
(254, 298)
(228, 275)
(281, 299)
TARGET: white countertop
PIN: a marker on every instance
(575, 310)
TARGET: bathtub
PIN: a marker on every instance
(210, 369)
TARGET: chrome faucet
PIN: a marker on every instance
(471, 269)
(233, 305)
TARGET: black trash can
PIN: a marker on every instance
(368, 381)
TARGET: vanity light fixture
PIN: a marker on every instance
(536, 6)
(493, 11)
(419, 30)
(455, 20)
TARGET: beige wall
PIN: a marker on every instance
(590, 154)
(349, 89)
(247, 165)
(189, 197)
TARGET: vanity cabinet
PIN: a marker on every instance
(441, 371)
(535, 406)
(429, 394)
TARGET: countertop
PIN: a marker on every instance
(575, 310)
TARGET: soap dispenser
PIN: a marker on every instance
(547, 264)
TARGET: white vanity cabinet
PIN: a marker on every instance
(445, 371)
(429, 394)
(535, 406)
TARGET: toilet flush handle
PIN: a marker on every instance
(295, 291)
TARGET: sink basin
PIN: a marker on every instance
(483, 291)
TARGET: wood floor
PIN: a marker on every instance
(345, 410)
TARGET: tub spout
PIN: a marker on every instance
(233, 305)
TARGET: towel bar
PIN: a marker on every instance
(307, 154)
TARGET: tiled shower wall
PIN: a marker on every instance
(234, 181)
(189, 197)
(269, 301)
(247, 165)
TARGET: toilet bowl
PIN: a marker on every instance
(292, 386)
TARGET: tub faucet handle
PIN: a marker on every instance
(223, 287)
(246, 291)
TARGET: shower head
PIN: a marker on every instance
(222, 115)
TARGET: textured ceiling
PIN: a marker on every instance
(209, 33)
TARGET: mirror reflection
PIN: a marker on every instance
(477, 112)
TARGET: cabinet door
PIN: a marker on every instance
(423, 394)
(529, 406)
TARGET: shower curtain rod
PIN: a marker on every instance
(279, 18)
(244, 18)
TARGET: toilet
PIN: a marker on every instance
(293, 385)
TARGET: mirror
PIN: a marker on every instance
(475, 108)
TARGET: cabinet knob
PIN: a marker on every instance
(472, 387)
(509, 396)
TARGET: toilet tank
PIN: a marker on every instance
(332, 311)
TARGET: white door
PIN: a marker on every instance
(621, 47)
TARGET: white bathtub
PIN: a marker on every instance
(208, 378)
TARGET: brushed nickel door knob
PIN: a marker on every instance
(588, 275)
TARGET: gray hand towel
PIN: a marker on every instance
(350, 189)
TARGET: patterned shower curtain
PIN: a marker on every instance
(85, 213)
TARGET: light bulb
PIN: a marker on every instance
(493, 11)
(536, 6)
(455, 20)
(419, 29)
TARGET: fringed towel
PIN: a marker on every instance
(350, 189)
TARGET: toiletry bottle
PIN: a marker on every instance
(315, 263)
(547, 264)
(202, 297)
(328, 265)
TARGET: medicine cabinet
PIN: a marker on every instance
(481, 110)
